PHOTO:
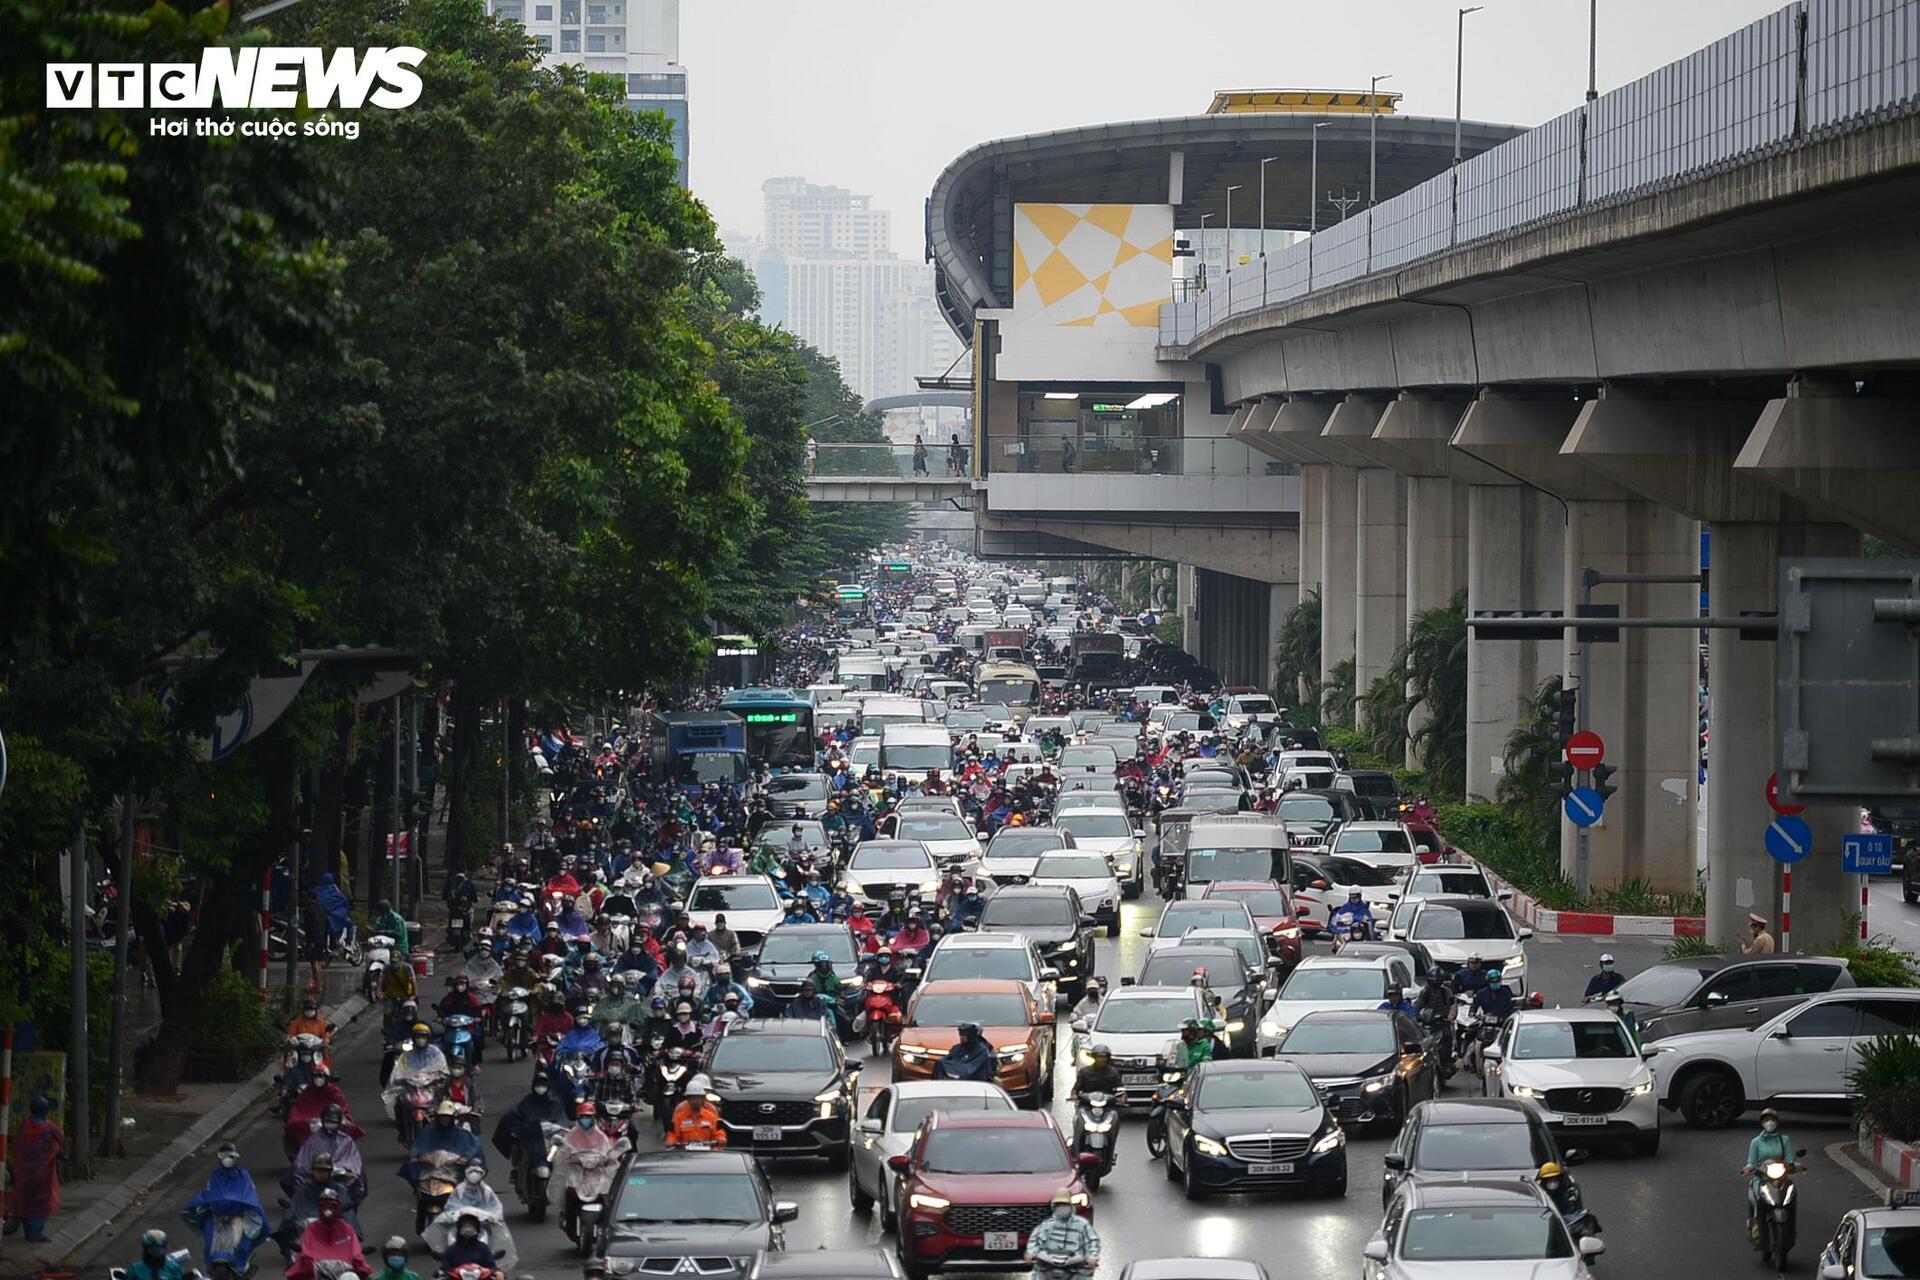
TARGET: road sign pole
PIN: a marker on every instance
(1786, 906)
(1863, 911)
(1580, 839)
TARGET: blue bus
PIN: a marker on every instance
(779, 726)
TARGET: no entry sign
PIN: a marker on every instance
(1773, 797)
(1585, 749)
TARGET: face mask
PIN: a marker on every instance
(331, 1126)
(228, 1162)
(1061, 1212)
(420, 1043)
(1771, 1126)
(474, 1175)
(469, 1233)
(586, 1122)
(329, 1212)
(540, 1090)
(153, 1253)
(395, 1261)
(615, 1071)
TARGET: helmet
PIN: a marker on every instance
(422, 1029)
(1606, 958)
(1615, 1000)
(1062, 1196)
(154, 1236)
(1493, 972)
(821, 957)
(394, 1244)
(969, 1030)
(586, 1109)
(1100, 1053)
(446, 1108)
(698, 1085)
(1549, 1170)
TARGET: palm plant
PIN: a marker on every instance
(1296, 660)
(1337, 695)
(1434, 662)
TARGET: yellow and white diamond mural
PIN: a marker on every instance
(1092, 264)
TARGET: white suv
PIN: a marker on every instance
(1797, 1058)
(1581, 1071)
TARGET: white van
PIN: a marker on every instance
(880, 712)
(913, 751)
(1237, 846)
(861, 671)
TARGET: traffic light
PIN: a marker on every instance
(1602, 772)
(1566, 717)
(1562, 774)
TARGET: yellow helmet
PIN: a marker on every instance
(1549, 1170)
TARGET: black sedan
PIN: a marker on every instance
(1253, 1126)
(1371, 1066)
(1236, 990)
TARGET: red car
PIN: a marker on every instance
(1273, 911)
(975, 1183)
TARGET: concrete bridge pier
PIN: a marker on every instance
(1516, 540)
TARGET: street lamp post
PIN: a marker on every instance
(1459, 71)
(1593, 49)
(1373, 138)
(1203, 251)
(1230, 191)
(1313, 181)
(1263, 203)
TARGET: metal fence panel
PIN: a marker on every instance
(1413, 224)
(1534, 176)
(1340, 252)
(1862, 56)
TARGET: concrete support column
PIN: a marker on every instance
(1187, 597)
(1436, 558)
(1740, 690)
(1338, 540)
(1515, 552)
(1281, 598)
(1641, 695)
(1313, 499)
(1380, 574)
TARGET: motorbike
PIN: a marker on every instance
(1093, 1134)
(458, 1040)
(616, 1118)
(533, 1166)
(459, 925)
(379, 952)
(418, 1094)
(1439, 1036)
(439, 1175)
(301, 1055)
(587, 1186)
(182, 1256)
(469, 1271)
(1157, 1118)
(667, 1080)
(1344, 930)
(883, 1017)
(1775, 1203)
(515, 1015)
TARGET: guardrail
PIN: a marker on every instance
(1813, 67)
(1175, 456)
(897, 461)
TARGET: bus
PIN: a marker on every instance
(779, 726)
(737, 660)
(849, 601)
(896, 571)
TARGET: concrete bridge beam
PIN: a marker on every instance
(1852, 458)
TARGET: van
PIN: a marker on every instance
(913, 751)
(972, 637)
(1236, 846)
(880, 712)
(861, 671)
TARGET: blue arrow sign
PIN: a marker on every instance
(1583, 806)
(1789, 838)
(1867, 854)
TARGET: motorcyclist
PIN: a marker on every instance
(1770, 1144)
(1617, 1006)
(460, 999)
(696, 1118)
(1559, 1187)
(1472, 976)
(968, 907)
(1098, 1076)
(468, 1245)
(728, 1014)
(394, 1254)
(1354, 914)
(335, 1139)
(703, 953)
(824, 979)
(1089, 1007)
(1397, 1001)
(800, 910)
(913, 935)
(303, 1199)
(463, 1089)
(809, 1004)
(1198, 1044)
(390, 922)
(519, 1127)
(229, 1195)
(309, 1106)
(971, 1057)
(583, 1041)
(1066, 1236)
(441, 1136)
(154, 1262)
(1436, 998)
(1607, 980)
(310, 1023)
(584, 1138)
(1495, 1000)
(328, 1238)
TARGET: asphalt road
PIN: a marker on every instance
(1679, 1212)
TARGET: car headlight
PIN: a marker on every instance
(1207, 1146)
(1523, 1091)
(1012, 1053)
(1377, 1085)
(622, 1266)
(914, 1055)
(1333, 1139)
(1642, 1089)
(757, 983)
(1518, 964)
(921, 1200)
(1272, 1030)
(828, 1095)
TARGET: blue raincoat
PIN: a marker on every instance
(231, 1220)
(334, 903)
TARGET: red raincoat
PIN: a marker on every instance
(327, 1238)
(36, 1180)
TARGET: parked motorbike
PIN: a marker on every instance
(1778, 1210)
(1093, 1133)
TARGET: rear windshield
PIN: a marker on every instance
(1026, 843)
(1373, 841)
(1473, 1148)
(909, 1112)
(749, 895)
(1073, 866)
(1230, 864)
(1179, 918)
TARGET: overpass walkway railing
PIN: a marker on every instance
(1813, 68)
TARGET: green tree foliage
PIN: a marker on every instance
(1296, 658)
(1337, 701)
(1435, 662)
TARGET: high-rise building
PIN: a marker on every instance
(637, 40)
(806, 221)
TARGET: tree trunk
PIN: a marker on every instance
(459, 769)
(329, 822)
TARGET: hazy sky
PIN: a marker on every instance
(880, 95)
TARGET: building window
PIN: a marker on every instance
(509, 12)
(669, 85)
(544, 42)
(596, 43)
(543, 13)
(570, 11)
(569, 42)
(1119, 430)
(596, 13)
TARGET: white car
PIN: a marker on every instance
(1013, 852)
(1091, 876)
(1800, 1057)
(1321, 884)
(877, 867)
(749, 903)
(1581, 1071)
(1870, 1243)
(947, 837)
(993, 955)
(1244, 710)
(1454, 930)
(1476, 1230)
(1386, 845)
(887, 1127)
(1439, 882)
(1138, 1025)
(1330, 982)
(1113, 834)
(1075, 801)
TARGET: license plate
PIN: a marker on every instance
(1002, 1241)
(766, 1133)
(1583, 1120)
(1140, 1077)
(1265, 1170)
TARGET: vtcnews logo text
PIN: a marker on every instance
(254, 78)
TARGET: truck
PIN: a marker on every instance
(694, 748)
(1006, 644)
(1095, 658)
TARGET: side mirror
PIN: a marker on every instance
(1045, 1017)
(1833, 1271)
(1395, 1160)
(1138, 834)
(871, 1125)
(1592, 1247)
(1148, 933)
(983, 837)
(897, 1163)
(1375, 1250)
(1573, 1155)
(1505, 895)
(785, 1210)
(1317, 884)
(1082, 1025)
(1268, 996)
(1049, 974)
(1523, 934)
(1716, 998)
(1302, 912)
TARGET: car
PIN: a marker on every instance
(1253, 1126)
(1321, 884)
(1333, 982)
(1054, 919)
(1193, 1269)
(1095, 760)
(1244, 943)
(1447, 1139)
(1013, 852)
(1873, 1243)
(993, 955)
(1448, 881)
(1318, 812)
(1376, 786)
(827, 1264)
(1249, 710)
(1077, 801)
(1386, 845)
(1139, 1026)
(775, 835)
(1239, 846)
(1798, 1059)
(973, 1186)
(784, 1089)
(1019, 1029)
(1474, 1230)
(1304, 778)
(946, 836)
(1274, 915)
(1371, 1066)
(876, 868)
(966, 720)
(1580, 1069)
(1111, 832)
(1183, 914)
(1453, 930)
(700, 1213)
(750, 904)
(886, 1130)
(928, 804)
(1238, 993)
(797, 795)
(786, 958)
(1415, 954)
(1091, 878)
(1154, 694)
(1710, 993)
